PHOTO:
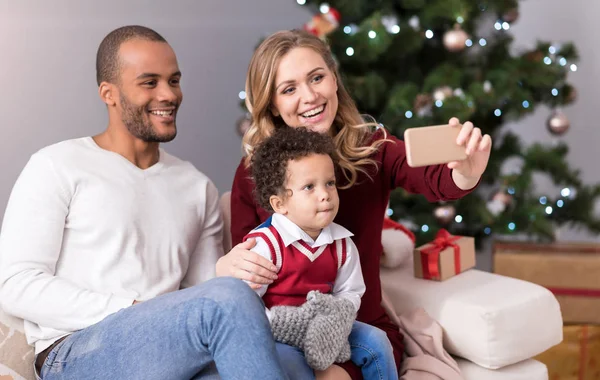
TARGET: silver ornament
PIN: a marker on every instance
(558, 123)
(455, 39)
(444, 214)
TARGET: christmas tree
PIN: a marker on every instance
(414, 63)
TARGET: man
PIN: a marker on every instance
(101, 233)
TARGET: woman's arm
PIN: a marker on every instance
(438, 182)
(244, 213)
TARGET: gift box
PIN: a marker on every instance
(577, 356)
(445, 257)
(570, 270)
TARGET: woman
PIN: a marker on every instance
(293, 81)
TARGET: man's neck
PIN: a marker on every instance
(140, 153)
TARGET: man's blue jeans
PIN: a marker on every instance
(189, 334)
(370, 350)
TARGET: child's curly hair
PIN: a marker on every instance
(270, 160)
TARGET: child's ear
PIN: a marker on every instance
(277, 204)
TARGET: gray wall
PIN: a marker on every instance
(48, 92)
(47, 76)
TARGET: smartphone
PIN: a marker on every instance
(433, 145)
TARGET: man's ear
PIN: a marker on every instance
(277, 204)
(107, 93)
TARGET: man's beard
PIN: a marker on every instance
(140, 127)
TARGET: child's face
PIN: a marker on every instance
(313, 200)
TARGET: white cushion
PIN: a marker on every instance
(491, 320)
(526, 370)
(16, 356)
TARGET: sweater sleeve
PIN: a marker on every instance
(349, 282)
(30, 246)
(262, 248)
(209, 248)
(434, 181)
(244, 214)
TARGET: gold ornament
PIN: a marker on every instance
(511, 15)
(504, 197)
(441, 93)
(558, 123)
(444, 214)
(455, 39)
(534, 56)
(422, 101)
(571, 95)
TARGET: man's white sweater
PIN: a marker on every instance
(86, 233)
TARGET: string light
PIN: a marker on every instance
(511, 190)
(351, 29)
(525, 104)
(408, 114)
(468, 43)
(512, 226)
(498, 25)
(439, 103)
(482, 42)
(573, 67)
(389, 212)
(549, 210)
(552, 50)
(458, 218)
(350, 52)
(547, 60)
(424, 228)
(560, 203)
(372, 34)
(395, 29)
(565, 192)
(562, 61)
(242, 95)
(543, 200)
(460, 20)
(554, 92)
(301, 2)
(429, 34)
(498, 112)
(505, 25)
(324, 8)
(487, 230)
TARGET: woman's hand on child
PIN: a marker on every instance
(246, 265)
(466, 173)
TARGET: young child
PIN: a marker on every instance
(312, 305)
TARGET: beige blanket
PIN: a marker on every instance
(425, 357)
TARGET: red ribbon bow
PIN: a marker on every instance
(430, 256)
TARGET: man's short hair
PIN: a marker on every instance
(271, 158)
(107, 58)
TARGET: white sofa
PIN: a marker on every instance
(492, 324)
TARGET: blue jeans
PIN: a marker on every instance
(219, 325)
(370, 350)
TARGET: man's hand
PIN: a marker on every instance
(249, 266)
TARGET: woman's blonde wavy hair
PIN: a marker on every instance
(349, 129)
